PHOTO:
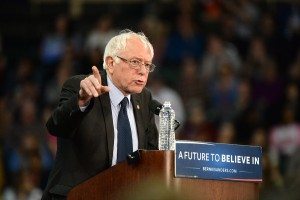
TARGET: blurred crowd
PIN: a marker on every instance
(231, 69)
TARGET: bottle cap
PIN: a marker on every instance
(167, 104)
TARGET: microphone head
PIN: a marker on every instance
(155, 106)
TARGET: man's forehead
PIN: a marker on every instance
(135, 46)
(134, 40)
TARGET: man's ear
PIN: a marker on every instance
(109, 63)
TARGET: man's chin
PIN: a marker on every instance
(136, 90)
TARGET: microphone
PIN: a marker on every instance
(156, 106)
(133, 158)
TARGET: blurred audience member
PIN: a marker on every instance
(247, 14)
(101, 34)
(292, 176)
(161, 92)
(157, 30)
(293, 32)
(273, 40)
(2, 172)
(246, 115)
(190, 87)
(217, 54)
(27, 130)
(268, 92)
(197, 127)
(284, 141)
(256, 60)
(292, 99)
(26, 120)
(228, 30)
(212, 11)
(6, 118)
(24, 187)
(223, 94)
(259, 138)
(226, 133)
(53, 87)
(92, 58)
(50, 140)
(30, 154)
(54, 44)
(3, 75)
(294, 71)
(21, 79)
(185, 41)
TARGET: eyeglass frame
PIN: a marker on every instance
(139, 64)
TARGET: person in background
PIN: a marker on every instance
(25, 187)
(284, 142)
(101, 34)
(197, 127)
(162, 92)
(226, 133)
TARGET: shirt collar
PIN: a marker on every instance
(116, 96)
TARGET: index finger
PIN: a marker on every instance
(96, 74)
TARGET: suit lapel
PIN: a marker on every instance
(107, 115)
(138, 119)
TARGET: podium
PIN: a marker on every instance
(126, 179)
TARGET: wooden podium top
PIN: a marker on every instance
(154, 175)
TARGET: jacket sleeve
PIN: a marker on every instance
(67, 117)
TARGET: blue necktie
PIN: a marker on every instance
(124, 133)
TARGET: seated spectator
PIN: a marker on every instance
(3, 74)
(217, 54)
(257, 59)
(53, 87)
(246, 114)
(101, 34)
(268, 92)
(24, 187)
(161, 92)
(197, 127)
(223, 95)
(292, 176)
(292, 99)
(191, 88)
(259, 138)
(185, 41)
(54, 45)
(284, 141)
(226, 133)
(29, 155)
(294, 71)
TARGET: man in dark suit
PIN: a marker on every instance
(103, 117)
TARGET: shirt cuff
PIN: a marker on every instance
(83, 108)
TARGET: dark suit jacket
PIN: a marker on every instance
(85, 139)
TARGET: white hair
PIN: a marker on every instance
(118, 43)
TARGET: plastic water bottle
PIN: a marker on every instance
(166, 139)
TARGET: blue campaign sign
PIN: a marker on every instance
(218, 161)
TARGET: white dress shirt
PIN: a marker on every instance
(116, 96)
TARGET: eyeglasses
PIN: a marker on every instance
(137, 64)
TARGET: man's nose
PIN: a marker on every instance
(143, 70)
